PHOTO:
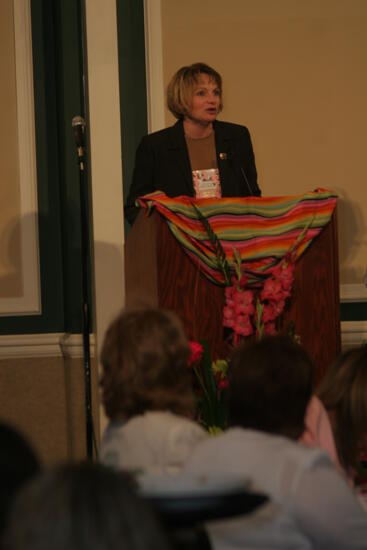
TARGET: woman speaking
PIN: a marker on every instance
(198, 156)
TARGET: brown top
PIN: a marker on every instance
(202, 152)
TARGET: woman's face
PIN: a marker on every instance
(205, 100)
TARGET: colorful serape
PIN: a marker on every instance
(262, 229)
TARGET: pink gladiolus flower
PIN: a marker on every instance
(228, 292)
(243, 325)
(276, 271)
(268, 313)
(196, 353)
(243, 301)
(243, 297)
(285, 274)
(245, 309)
(278, 307)
(272, 290)
(272, 310)
(228, 316)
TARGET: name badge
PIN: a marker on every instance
(206, 183)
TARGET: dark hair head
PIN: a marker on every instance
(144, 359)
(18, 464)
(181, 87)
(343, 392)
(270, 385)
(82, 507)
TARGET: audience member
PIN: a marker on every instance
(82, 507)
(147, 393)
(18, 464)
(318, 431)
(312, 506)
(343, 392)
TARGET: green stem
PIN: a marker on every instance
(206, 394)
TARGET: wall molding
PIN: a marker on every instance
(353, 293)
(353, 333)
(56, 344)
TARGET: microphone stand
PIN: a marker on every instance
(249, 187)
(78, 125)
(231, 156)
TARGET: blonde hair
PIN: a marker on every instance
(181, 87)
(144, 357)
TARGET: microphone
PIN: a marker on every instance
(246, 181)
(78, 124)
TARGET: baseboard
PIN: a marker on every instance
(43, 345)
(354, 333)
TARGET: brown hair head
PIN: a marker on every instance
(181, 87)
(343, 392)
(270, 385)
(144, 359)
(83, 506)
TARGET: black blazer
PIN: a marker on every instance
(162, 163)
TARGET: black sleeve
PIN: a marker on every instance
(142, 182)
(248, 166)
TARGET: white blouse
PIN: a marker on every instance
(155, 442)
(311, 506)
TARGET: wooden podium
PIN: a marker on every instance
(315, 303)
(160, 274)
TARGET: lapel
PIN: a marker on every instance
(177, 149)
(223, 137)
(225, 156)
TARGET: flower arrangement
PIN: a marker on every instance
(248, 312)
(255, 310)
(254, 303)
(211, 384)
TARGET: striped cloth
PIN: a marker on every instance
(263, 230)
